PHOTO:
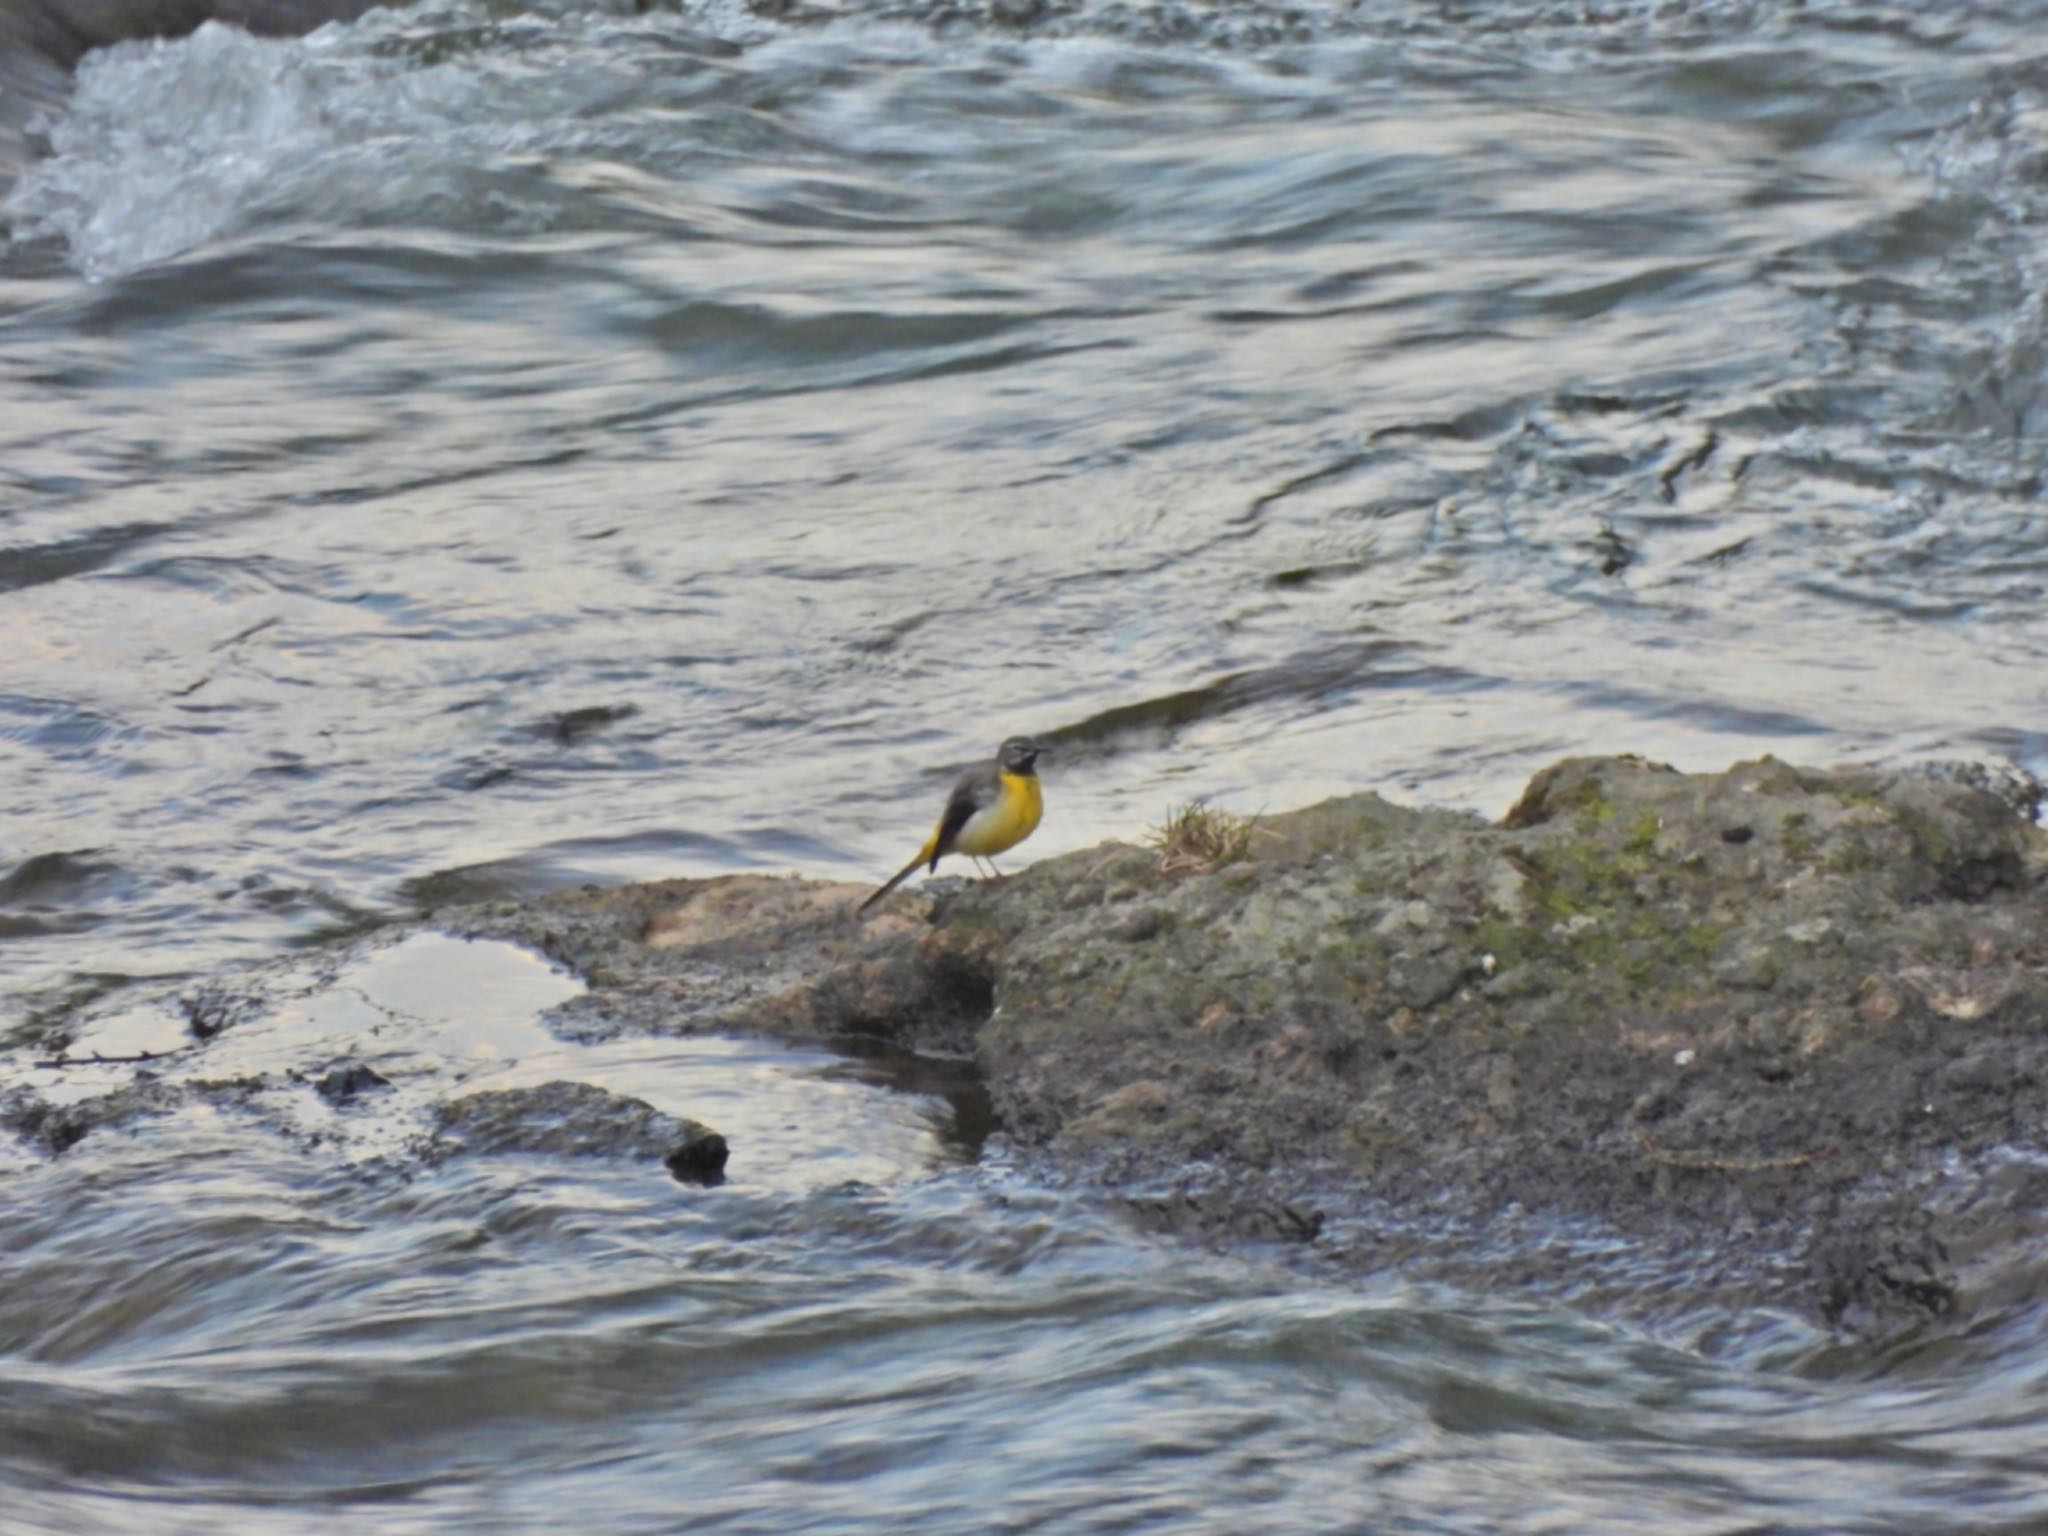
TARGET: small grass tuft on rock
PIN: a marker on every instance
(1196, 839)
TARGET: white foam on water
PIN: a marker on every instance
(168, 147)
(448, 115)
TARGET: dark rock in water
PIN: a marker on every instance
(1730, 1018)
(56, 1129)
(343, 1085)
(1016, 13)
(701, 1161)
(563, 1119)
(212, 1009)
(571, 726)
(1209, 1215)
(53, 1129)
(1881, 1263)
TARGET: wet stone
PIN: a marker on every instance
(344, 1085)
(56, 1131)
(563, 1119)
(700, 1160)
(1603, 1009)
(212, 1009)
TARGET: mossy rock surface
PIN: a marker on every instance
(1762, 1007)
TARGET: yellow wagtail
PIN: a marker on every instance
(993, 807)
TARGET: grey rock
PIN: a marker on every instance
(564, 1119)
(1398, 1010)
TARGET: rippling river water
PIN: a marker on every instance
(477, 448)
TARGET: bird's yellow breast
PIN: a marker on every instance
(1012, 818)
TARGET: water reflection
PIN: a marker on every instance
(476, 450)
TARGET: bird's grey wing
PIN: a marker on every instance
(975, 790)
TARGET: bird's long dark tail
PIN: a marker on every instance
(924, 856)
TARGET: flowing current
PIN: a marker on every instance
(477, 448)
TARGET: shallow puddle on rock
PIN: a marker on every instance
(428, 993)
(357, 1056)
(155, 1026)
(465, 1003)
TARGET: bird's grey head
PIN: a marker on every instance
(1018, 754)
